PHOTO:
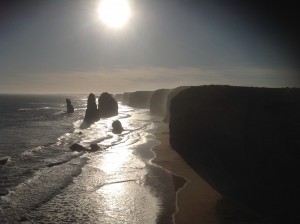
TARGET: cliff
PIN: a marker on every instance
(171, 95)
(158, 102)
(119, 97)
(140, 99)
(125, 99)
(244, 142)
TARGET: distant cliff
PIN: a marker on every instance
(125, 98)
(140, 99)
(244, 142)
(171, 95)
(119, 97)
(158, 102)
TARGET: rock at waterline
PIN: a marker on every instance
(4, 191)
(94, 147)
(3, 160)
(78, 148)
(70, 108)
(117, 127)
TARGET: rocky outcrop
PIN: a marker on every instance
(94, 147)
(78, 148)
(107, 105)
(70, 108)
(3, 160)
(3, 191)
(117, 127)
(158, 102)
(171, 95)
(244, 142)
(91, 113)
(140, 99)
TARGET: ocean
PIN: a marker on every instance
(43, 181)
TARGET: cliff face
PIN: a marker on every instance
(158, 102)
(170, 96)
(140, 99)
(244, 141)
(119, 97)
(125, 99)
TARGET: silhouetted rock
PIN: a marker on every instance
(158, 102)
(91, 113)
(170, 96)
(140, 99)
(3, 160)
(117, 127)
(94, 147)
(4, 191)
(244, 142)
(78, 148)
(107, 105)
(70, 108)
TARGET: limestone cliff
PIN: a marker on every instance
(243, 141)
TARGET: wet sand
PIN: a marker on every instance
(196, 201)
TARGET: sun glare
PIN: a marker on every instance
(114, 13)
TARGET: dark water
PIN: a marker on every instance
(48, 183)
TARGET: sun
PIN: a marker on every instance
(114, 13)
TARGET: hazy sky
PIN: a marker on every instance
(61, 46)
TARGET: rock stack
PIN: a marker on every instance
(107, 105)
(70, 108)
(91, 113)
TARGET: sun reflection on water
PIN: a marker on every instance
(115, 160)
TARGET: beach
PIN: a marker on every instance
(196, 201)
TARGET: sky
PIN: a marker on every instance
(61, 46)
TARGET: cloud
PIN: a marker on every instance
(120, 79)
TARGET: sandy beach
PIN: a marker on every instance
(196, 201)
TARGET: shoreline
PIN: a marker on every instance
(196, 201)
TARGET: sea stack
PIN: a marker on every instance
(70, 108)
(91, 113)
(107, 105)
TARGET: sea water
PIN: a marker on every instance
(43, 181)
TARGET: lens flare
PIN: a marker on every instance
(114, 13)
